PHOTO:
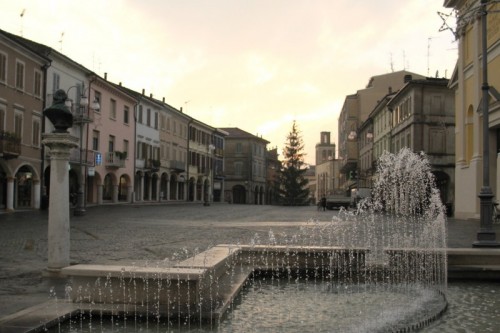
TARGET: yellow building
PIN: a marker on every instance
(467, 82)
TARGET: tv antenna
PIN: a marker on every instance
(61, 42)
(22, 21)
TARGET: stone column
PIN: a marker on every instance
(59, 232)
(36, 195)
(10, 193)
(99, 194)
(115, 194)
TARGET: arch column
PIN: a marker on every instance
(115, 193)
(36, 194)
(10, 193)
(99, 194)
(130, 193)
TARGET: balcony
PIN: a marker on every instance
(88, 156)
(177, 165)
(83, 115)
(10, 145)
(115, 159)
(153, 164)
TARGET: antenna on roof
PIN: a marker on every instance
(61, 41)
(22, 21)
(392, 64)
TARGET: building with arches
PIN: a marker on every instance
(467, 83)
(22, 89)
(245, 167)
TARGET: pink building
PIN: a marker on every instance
(111, 137)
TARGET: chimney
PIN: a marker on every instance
(143, 91)
(390, 90)
(163, 99)
(106, 76)
(120, 84)
(150, 95)
(407, 78)
(180, 109)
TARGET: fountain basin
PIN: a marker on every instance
(204, 285)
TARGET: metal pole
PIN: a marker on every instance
(80, 209)
(486, 236)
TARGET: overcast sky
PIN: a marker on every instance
(253, 64)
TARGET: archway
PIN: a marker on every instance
(123, 188)
(3, 188)
(147, 187)
(164, 190)
(154, 186)
(107, 190)
(192, 188)
(239, 194)
(24, 182)
(173, 187)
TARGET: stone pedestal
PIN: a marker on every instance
(59, 232)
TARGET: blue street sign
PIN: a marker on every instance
(98, 159)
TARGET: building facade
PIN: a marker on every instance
(22, 90)
(355, 111)
(467, 83)
(245, 167)
(423, 120)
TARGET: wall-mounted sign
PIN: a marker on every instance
(91, 171)
(98, 158)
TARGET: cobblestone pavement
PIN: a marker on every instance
(138, 233)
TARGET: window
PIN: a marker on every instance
(111, 143)
(238, 147)
(112, 109)
(238, 168)
(55, 82)
(3, 67)
(95, 140)
(97, 97)
(19, 75)
(148, 117)
(18, 125)
(139, 116)
(36, 132)
(125, 114)
(125, 147)
(37, 88)
(162, 122)
(156, 120)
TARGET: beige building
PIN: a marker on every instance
(355, 111)
(245, 167)
(467, 82)
(423, 120)
(326, 171)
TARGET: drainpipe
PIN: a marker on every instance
(136, 107)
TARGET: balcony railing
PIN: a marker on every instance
(153, 164)
(115, 159)
(88, 156)
(83, 115)
(10, 146)
(177, 165)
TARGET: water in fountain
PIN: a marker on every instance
(380, 268)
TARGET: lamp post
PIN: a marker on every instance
(486, 236)
(82, 117)
(207, 196)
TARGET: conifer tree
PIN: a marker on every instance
(293, 189)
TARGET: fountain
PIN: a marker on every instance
(381, 268)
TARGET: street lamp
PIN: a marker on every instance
(486, 236)
(207, 196)
(83, 109)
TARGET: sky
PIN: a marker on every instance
(257, 65)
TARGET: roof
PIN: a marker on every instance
(235, 132)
